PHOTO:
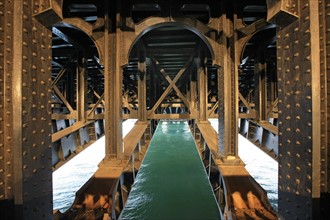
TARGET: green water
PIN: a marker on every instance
(172, 182)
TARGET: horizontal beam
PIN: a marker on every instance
(64, 116)
(170, 116)
(132, 139)
(67, 131)
(210, 136)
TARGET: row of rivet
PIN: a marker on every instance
(2, 162)
(7, 96)
(322, 25)
(35, 114)
(327, 60)
(295, 118)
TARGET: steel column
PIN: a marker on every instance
(112, 89)
(142, 87)
(25, 112)
(300, 99)
(202, 89)
(260, 87)
(227, 89)
(81, 92)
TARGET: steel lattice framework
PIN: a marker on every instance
(71, 71)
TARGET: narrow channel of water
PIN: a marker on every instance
(70, 177)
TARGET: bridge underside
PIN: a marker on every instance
(71, 71)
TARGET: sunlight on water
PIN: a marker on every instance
(262, 168)
(69, 178)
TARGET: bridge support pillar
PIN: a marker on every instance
(142, 96)
(202, 89)
(228, 88)
(112, 90)
(303, 93)
(25, 82)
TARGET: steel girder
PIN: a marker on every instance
(25, 61)
(302, 123)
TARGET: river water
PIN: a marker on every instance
(70, 177)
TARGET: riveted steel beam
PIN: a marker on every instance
(281, 12)
(26, 61)
(300, 103)
(48, 12)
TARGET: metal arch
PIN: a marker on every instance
(176, 24)
(85, 27)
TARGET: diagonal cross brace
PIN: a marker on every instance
(60, 95)
(172, 84)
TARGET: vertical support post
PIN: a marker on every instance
(227, 90)
(25, 155)
(300, 98)
(81, 87)
(193, 95)
(112, 89)
(152, 87)
(202, 88)
(142, 68)
(260, 89)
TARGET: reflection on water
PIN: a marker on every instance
(69, 178)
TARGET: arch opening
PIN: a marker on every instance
(173, 54)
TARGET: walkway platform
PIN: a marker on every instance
(172, 182)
